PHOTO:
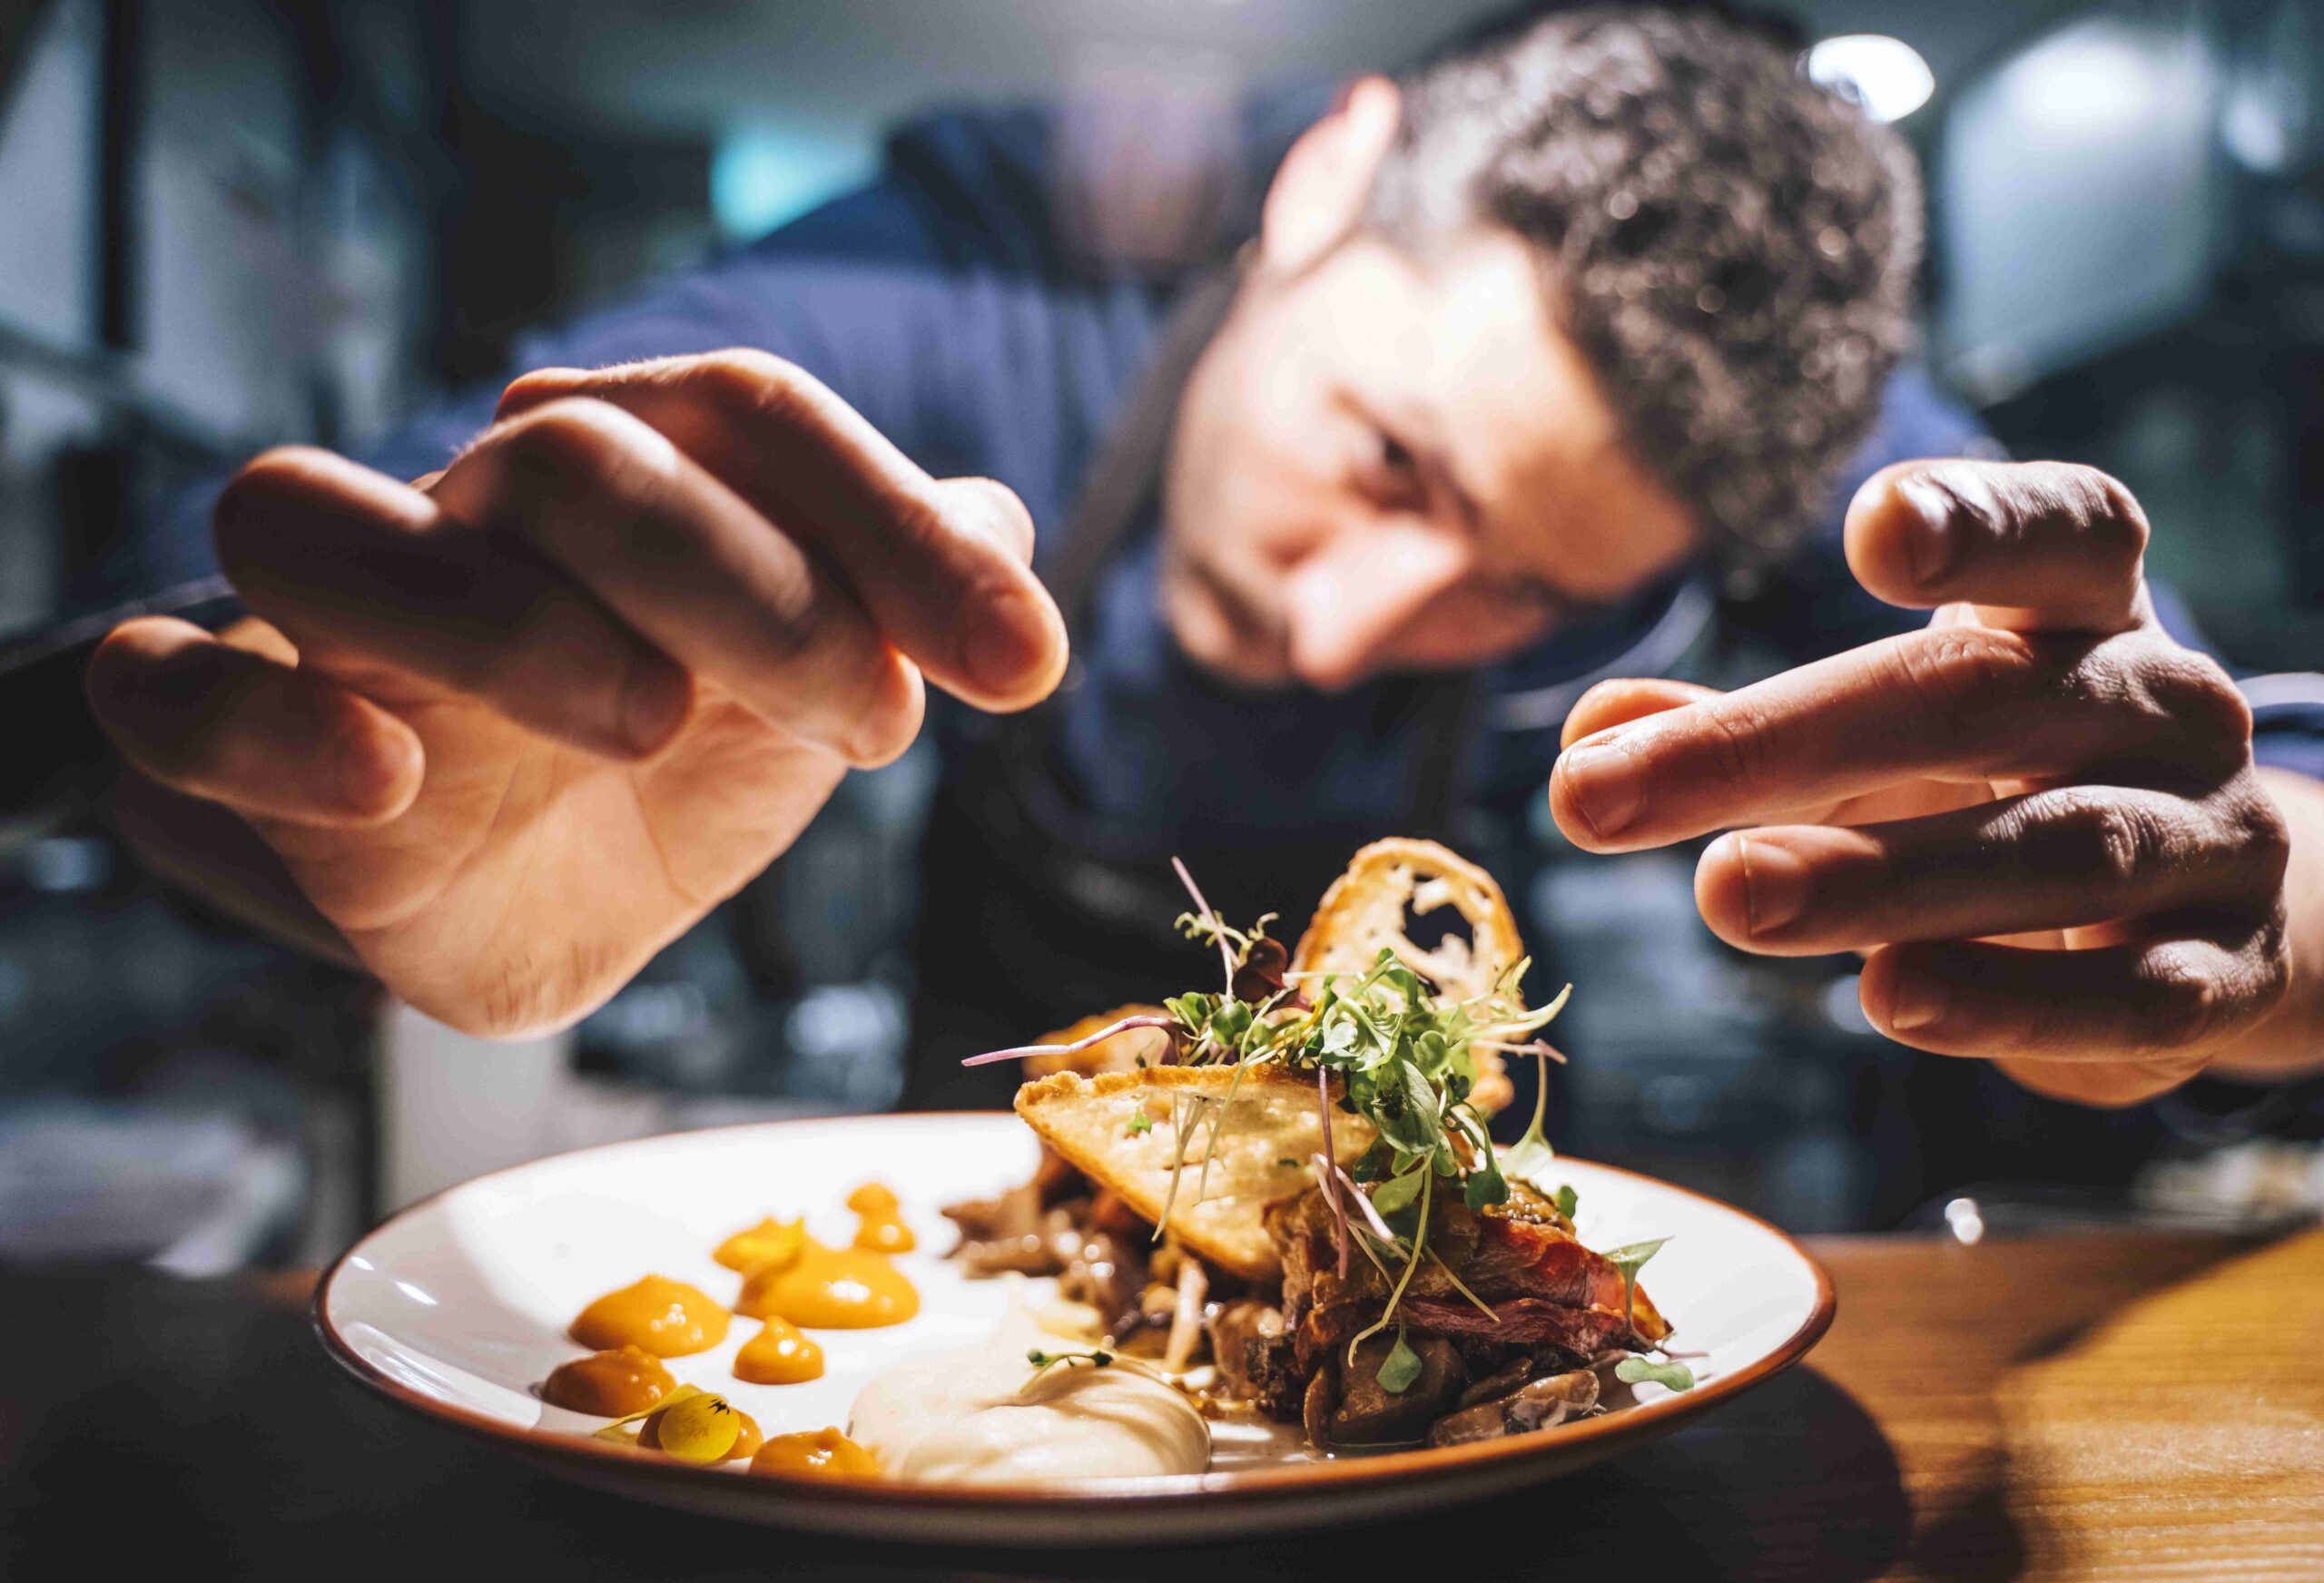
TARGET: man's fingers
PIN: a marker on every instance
(942, 566)
(2154, 999)
(1957, 703)
(1620, 702)
(2106, 1084)
(2065, 858)
(684, 562)
(2037, 546)
(219, 722)
(385, 590)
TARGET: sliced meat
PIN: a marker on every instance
(1582, 1331)
(1368, 1414)
(1516, 1255)
(1271, 1364)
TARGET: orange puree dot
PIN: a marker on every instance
(779, 1355)
(609, 1384)
(872, 1198)
(823, 1453)
(770, 1242)
(666, 1318)
(884, 1233)
(831, 1289)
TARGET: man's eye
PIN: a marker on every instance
(1392, 474)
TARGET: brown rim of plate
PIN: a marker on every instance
(1172, 1489)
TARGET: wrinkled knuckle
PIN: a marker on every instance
(2086, 838)
(2111, 516)
(1984, 657)
(2185, 1005)
(1738, 742)
(579, 440)
(2259, 834)
(746, 383)
(2184, 1000)
(2197, 693)
(2272, 962)
(1955, 673)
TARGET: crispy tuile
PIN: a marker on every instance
(1273, 1119)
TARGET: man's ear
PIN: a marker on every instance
(1319, 193)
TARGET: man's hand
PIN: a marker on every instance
(2038, 817)
(503, 734)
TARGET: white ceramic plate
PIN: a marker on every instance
(456, 1309)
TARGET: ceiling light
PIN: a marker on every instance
(1885, 76)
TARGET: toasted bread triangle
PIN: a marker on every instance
(1264, 1142)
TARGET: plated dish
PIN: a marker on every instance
(926, 1325)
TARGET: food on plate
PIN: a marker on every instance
(669, 1319)
(827, 1288)
(789, 1280)
(1338, 1237)
(780, 1354)
(613, 1384)
(1007, 1412)
(822, 1453)
(880, 1222)
(1272, 1203)
(770, 1242)
(691, 1425)
(1268, 1130)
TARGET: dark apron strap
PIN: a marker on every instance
(1127, 473)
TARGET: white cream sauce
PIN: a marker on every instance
(969, 1417)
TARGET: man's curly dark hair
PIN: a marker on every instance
(1731, 246)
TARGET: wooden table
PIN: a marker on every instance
(2108, 1406)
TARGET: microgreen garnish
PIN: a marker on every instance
(1400, 1368)
(1140, 1124)
(1629, 1259)
(1531, 1155)
(1633, 1370)
(1094, 1358)
(1382, 1046)
(1044, 1361)
(1566, 1198)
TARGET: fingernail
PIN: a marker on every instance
(1003, 644)
(1914, 1002)
(1605, 784)
(1776, 884)
(655, 701)
(1930, 543)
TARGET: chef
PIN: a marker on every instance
(1407, 511)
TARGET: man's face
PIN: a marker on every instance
(1386, 462)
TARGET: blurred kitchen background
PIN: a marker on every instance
(225, 223)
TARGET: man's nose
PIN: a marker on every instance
(1346, 599)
